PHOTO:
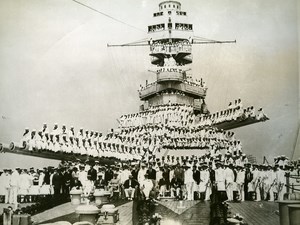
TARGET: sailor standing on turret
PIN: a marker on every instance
(26, 137)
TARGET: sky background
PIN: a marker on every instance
(55, 65)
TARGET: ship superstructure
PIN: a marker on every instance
(170, 39)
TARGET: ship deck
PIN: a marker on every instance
(195, 212)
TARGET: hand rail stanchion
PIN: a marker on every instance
(288, 183)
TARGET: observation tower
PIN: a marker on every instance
(170, 40)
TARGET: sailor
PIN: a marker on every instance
(32, 141)
(57, 144)
(82, 176)
(55, 130)
(5, 182)
(196, 178)
(271, 182)
(129, 187)
(204, 186)
(26, 137)
(38, 140)
(24, 185)
(240, 180)
(229, 179)
(281, 179)
(176, 184)
(146, 186)
(142, 172)
(261, 115)
(220, 177)
(188, 181)
(256, 182)
(14, 184)
(45, 129)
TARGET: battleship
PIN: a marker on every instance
(173, 123)
(170, 40)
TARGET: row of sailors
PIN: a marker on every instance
(153, 131)
(232, 114)
(171, 47)
(235, 104)
(133, 141)
(187, 175)
(172, 115)
(62, 133)
(208, 158)
(196, 83)
(95, 149)
(146, 86)
(188, 80)
(142, 136)
(259, 179)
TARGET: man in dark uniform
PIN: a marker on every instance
(129, 186)
(248, 179)
(92, 173)
(57, 184)
(108, 175)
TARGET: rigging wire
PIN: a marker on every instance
(104, 14)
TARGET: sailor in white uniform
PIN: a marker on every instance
(146, 186)
(229, 178)
(14, 184)
(188, 181)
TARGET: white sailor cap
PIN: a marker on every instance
(26, 128)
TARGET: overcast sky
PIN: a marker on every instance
(55, 65)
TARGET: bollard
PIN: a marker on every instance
(7, 216)
(294, 214)
(100, 197)
(87, 213)
(21, 219)
(284, 211)
(75, 196)
(109, 215)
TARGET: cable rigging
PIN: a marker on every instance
(104, 14)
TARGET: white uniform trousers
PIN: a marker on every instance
(13, 195)
(189, 189)
(229, 191)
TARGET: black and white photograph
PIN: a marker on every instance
(149, 112)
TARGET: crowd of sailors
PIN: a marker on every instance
(171, 47)
(169, 126)
(185, 177)
(194, 83)
(234, 112)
